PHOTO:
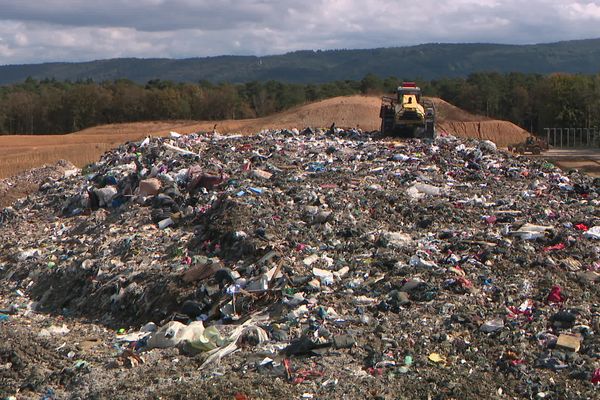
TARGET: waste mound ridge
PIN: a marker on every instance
(363, 112)
(287, 263)
(347, 112)
(21, 185)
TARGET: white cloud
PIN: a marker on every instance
(74, 30)
(589, 10)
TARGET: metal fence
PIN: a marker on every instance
(573, 137)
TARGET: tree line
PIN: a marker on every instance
(531, 101)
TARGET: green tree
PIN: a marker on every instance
(20, 112)
(390, 84)
(371, 84)
(87, 105)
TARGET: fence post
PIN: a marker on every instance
(573, 139)
(587, 135)
(561, 137)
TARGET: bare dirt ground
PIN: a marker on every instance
(586, 160)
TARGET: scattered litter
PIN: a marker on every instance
(309, 258)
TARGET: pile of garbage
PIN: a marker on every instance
(406, 257)
(25, 183)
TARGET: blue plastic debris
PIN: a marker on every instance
(49, 395)
(315, 167)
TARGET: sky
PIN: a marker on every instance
(34, 31)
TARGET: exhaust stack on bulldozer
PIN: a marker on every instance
(407, 114)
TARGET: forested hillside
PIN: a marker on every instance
(532, 101)
(427, 61)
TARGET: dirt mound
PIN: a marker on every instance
(458, 122)
(363, 112)
(347, 112)
(447, 112)
(455, 121)
(500, 132)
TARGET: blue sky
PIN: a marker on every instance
(74, 30)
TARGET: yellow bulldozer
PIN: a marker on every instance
(407, 114)
(532, 144)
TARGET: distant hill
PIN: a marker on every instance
(427, 61)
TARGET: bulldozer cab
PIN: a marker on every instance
(409, 100)
(409, 90)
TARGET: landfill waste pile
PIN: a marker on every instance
(11, 189)
(303, 264)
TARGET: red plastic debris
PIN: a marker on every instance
(300, 247)
(288, 369)
(525, 310)
(464, 282)
(582, 227)
(491, 219)
(555, 296)
(559, 246)
(596, 376)
(204, 208)
(375, 371)
(305, 375)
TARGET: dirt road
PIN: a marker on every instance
(586, 160)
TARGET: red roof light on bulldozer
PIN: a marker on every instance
(409, 85)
